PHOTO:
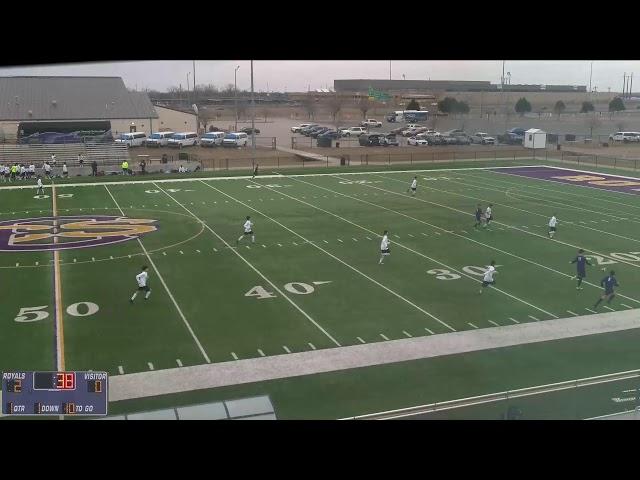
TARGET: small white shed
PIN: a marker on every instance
(535, 138)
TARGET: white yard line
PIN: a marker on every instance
(469, 323)
(120, 370)
(252, 267)
(286, 349)
(429, 331)
(608, 308)
(384, 336)
(625, 305)
(493, 323)
(351, 267)
(513, 320)
(592, 311)
(164, 284)
(57, 277)
(572, 313)
(179, 362)
(533, 318)
(361, 340)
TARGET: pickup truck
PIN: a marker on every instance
(353, 131)
(371, 122)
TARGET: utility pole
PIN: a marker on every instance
(389, 69)
(235, 93)
(253, 121)
(194, 78)
(631, 86)
(590, 77)
(624, 83)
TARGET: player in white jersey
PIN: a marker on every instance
(384, 247)
(552, 225)
(488, 276)
(414, 186)
(32, 170)
(4, 172)
(40, 190)
(142, 278)
(488, 215)
(47, 169)
(248, 230)
(65, 170)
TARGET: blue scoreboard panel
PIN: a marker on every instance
(55, 393)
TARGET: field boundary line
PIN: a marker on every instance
(250, 265)
(408, 248)
(496, 221)
(57, 281)
(286, 365)
(173, 300)
(336, 258)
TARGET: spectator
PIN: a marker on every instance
(81, 159)
(94, 168)
(65, 171)
(125, 167)
(47, 170)
(53, 159)
(143, 167)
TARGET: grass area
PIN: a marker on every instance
(317, 241)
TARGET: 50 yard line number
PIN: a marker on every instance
(35, 314)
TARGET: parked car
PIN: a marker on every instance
(307, 128)
(354, 131)
(235, 139)
(449, 140)
(369, 140)
(159, 139)
(308, 131)
(133, 139)
(371, 122)
(452, 133)
(625, 137)
(390, 140)
(319, 131)
(411, 130)
(435, 139)
(212, 139)
(417, 141)
(333, 134)
(483, 138)
(462, 139)
(249, 130)
(300, 127)
(184, 139)
(515, 136)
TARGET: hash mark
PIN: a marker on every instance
(407, 334)
(340, 241)
(625, 305)
(120, 370)
(312, 346)
(572, 313)
(383, 336)
(592, 311)
(286, 349)
(534, 318)
(493, 323)
(361, 340)
(514, 320)
(608, 308)
(430, 332)
(233, 354)
(178, 362)
(261, 353)
(150, 365)
(472, 325)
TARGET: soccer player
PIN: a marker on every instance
(582, 262)
(478, 216)
(14, 171)
(608, 283)
(53, 159)
(142, 278)
(488, 214)
(65, 170)
(552, 225)
(414, 186)
(488, 276)
(40, 190)
(248, 230)
(32, 170)
(23, 172)
(255, 171)
(47, 170)
(384, 247)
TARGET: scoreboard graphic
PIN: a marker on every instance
(55, 393)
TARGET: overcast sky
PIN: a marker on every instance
(299, 75)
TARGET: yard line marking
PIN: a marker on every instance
(625, 305)
(286, 349)
(179, 362)
(110, 257)
(261, 353)
(37, 263)
(74, 260)
(340, 241)
(422, 233)
(181, 252)
(330, 254)
(397, 236)
(430, 332)
(513, 320)
(173, 300)
(592, 311)
(197, 250)
(249, 248)
(437, 233)
(325, 241)
(233, 354)
(383, 336)
(312, 346)
(572, 313)
(493, 323)
(120, 370)
(361, 340)
(17, 264)
(279, 244)
(93, 259)
(405, 247)
(608, 308)
(605, 221)
(534, 318)
(410, 235)
(59, 314)
(215, 249)
(464, 231)
(264, 246)
(407, 334)
(354, 239)
(295, 244)
(367, 238)
(472, 325)
(249, 264)
(150, 365)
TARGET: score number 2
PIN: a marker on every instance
(65, 381)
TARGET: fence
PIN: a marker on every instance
(585, 159)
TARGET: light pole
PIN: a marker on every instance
(235, 89)
(253, 121)
(188, 87)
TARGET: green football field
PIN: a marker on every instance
(311, 280)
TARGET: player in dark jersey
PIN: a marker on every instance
(608, 283)
(581, 272)
(478, 216)
(255, 171)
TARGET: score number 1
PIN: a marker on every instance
(65, 381)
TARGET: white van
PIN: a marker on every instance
(212, 139)
(159, 139)
(133, 139)
(235, 139)
(185, 139)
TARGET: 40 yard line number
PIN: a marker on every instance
(297, 288)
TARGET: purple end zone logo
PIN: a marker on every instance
(69, 232)
(614, 183)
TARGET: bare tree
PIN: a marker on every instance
(335, 104)
(364, 104)
(265, 113)
(242, 108)
(592, 121)
(309, 105)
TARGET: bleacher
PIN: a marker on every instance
(105, 154)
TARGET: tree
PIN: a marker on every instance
(616, 105)
(242, 108)
(522, 106)
(335, 104)
(364, 104)
(559, 108)
(413, 105)
(309, 105)
(587, 107)
(265, 113)
(461, 107)
(593, 122)
(447, 105)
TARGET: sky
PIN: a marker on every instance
(301, 75)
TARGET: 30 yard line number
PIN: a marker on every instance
(35, 314)
(442, 274)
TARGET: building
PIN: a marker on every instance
(175, 119)
(66, 104)
(535, 138)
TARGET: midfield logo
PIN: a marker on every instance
(70, 232)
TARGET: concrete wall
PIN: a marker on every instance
(175, 120)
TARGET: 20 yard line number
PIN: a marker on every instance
(35, 314)
(297, 288)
